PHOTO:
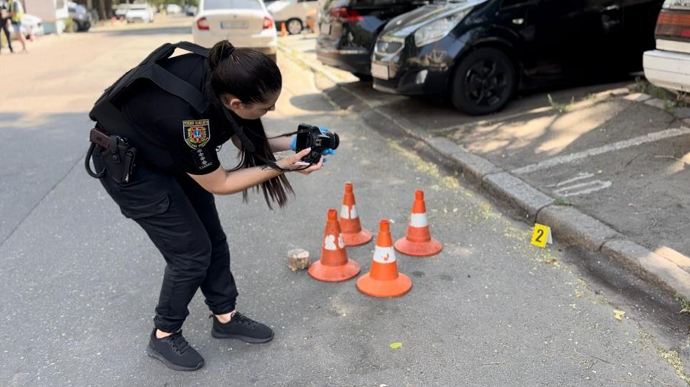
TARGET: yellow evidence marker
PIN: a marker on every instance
(541, 235)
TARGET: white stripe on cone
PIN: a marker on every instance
(348, 212)
(384, 255)
(419, 220)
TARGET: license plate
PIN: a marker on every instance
(682, 4)
(325, 29)
(234, 25)
(379, 71)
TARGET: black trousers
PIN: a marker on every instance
(181, 219)
(5, 26)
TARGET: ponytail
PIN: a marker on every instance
(250, 76)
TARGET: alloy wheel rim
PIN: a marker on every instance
(294, 27)
(486, 83)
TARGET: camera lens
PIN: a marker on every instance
(335, 140)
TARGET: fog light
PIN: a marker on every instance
(421, 77)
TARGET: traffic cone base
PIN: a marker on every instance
(418, 241)
(361, 238)
(382, 289)
(340, 273)
(384, 280)
(418, 249)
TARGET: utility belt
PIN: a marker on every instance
(117, 156)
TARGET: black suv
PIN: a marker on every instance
(348, 29)
(478, 52)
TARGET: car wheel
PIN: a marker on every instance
(363, 77)
(75, 27)
(484, 82)
(294, 26)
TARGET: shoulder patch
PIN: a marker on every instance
(196, 133)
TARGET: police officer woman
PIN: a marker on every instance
(177, 112)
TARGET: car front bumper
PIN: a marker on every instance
(667, 69)
(413, 81)
(356, 60)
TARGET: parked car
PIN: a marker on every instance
(31, 23)
(245, 23)
(190, 10)
(348, 30)
(121, 11)
(293, 13)
(81, 19)
(479, 52)
(669, 65)
(139, 13)
(173, 8)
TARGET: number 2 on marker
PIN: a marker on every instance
(541, 235)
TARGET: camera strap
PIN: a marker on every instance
(247, 143)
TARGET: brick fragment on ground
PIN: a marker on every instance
(298, 259)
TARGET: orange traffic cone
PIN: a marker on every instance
(384, 280)
(283, 30)
(418, 241)
(353, 234)
(334, 265)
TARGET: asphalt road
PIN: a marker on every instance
(78, 281)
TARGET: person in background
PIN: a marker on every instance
(5, 23)
(16, 17)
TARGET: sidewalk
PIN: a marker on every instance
(604, 167)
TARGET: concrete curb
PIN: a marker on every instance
(569, 225)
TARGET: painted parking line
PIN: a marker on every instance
(566, 159)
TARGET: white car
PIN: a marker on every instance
(139, 13)
(669, 65)
(31, 23)
(244, 23)
(173, 8)
(293, 13)
(121, 11)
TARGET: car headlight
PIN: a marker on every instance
(438, 29)
(389, 46)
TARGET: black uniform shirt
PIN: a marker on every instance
(175, 137)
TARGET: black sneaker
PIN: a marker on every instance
(242, 328)
(175, 352)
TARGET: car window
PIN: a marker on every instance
(231, 4)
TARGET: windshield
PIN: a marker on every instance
(210, 5)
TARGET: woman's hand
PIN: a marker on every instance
(293, 162)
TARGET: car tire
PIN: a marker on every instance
(294, 26)
(75, 26)
(483, 82)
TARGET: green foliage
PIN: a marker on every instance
(563, 202)
(560, 108)
(69, 25)
(671, 101)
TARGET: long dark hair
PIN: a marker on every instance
(250, 76)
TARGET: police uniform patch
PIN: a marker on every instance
(197, 133)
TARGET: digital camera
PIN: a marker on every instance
(310, 136)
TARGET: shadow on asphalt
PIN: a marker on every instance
(149, 31)
(307, 102)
